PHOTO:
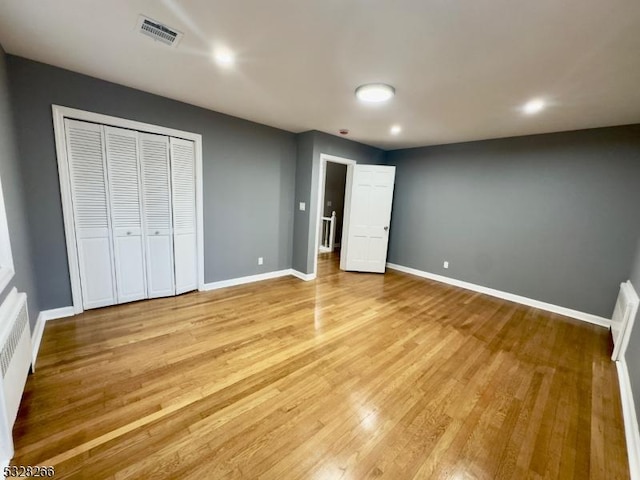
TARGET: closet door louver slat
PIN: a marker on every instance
(124, 187)
(184, 213)
(89, 192)
(156, 187)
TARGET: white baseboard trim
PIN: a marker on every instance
(36, 338)
(258, 278)
(38, 330)
(248, 279)
(630, 419)
(567, 312)
(303, 276)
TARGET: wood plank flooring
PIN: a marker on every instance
(351, 376)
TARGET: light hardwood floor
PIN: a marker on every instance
(350, 376)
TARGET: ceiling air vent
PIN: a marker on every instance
(158, 31)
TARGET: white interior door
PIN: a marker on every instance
(126, 213)
(367, 215)
(91, 212)
(156, 187)
(183, 182)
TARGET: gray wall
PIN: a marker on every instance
(541, 216)
(334, 189)
(249, 174)
(14, 193)
(301, 234)
(550, 217)
(633, 350)
(310, 146)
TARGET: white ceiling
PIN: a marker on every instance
(461, 69)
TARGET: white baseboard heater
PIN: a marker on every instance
(623, 318)
(15, 362)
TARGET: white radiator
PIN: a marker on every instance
(622, 319)
(15, 361)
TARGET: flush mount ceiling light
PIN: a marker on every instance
(375, 92)
(533, 106)
(395, 129)
(224, 57)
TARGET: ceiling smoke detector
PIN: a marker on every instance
(158, 31)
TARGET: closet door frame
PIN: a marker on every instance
(59, 114)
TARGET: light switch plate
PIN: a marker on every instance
(303, 206)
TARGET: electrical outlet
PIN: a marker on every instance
(329, 203)
(260, 260)
(303, 206)
(446, 264)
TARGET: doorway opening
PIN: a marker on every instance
(332, 211)
(330, 223)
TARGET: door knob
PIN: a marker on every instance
(157, 232)
(386, 228)
(128, 233)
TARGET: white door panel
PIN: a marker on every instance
(130, 268)
(161, 276)
(96, 272)
(126, 212)
(184, 214)
(369, 214)
(91, 212)
(360, 245)
(378, 247)
(156, 188)
(186, 267)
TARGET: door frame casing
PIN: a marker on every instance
(322, 178)
(59, 115)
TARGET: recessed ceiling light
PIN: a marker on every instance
(375, 92)
(395, 129)
(533, 106)
(224, 57)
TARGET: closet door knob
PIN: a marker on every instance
(157, 232)
(128, 233)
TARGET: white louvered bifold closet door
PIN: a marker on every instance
(126, 213)
(90, 197)
(184, 214)
(156, 188)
